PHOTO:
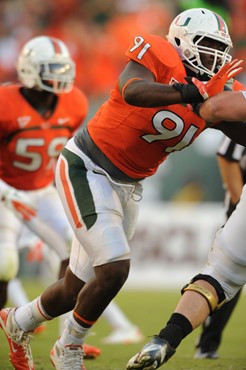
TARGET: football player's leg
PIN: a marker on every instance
(16, 293)
(58, 232)
(86, 272)
(212, 329)
(226, 261)
(124, 331)
(220, 280)
(50, 210)
(227, 258)
(9, 260)
(94, 209)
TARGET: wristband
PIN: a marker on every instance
(189, 93)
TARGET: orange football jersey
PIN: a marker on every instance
(29, 143)
(137, 140)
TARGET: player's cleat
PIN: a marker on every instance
(124, 336)
(204, 353)
(19, 341)
(152, 355)
(90, 352)
(68, 357)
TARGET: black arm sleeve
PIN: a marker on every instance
(236, 131)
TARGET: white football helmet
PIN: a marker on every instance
(189, 28)
(44, 63)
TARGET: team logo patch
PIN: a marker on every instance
(23, 121)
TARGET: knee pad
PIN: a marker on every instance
(9, 262)
(210, 298)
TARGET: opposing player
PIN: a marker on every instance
(225, 272)
(99, 174)
(231, 161)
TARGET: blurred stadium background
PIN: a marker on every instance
(183, 203)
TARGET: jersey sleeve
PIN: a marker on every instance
(153, 52)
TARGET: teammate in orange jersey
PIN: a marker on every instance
(38, 116)
(99, 174)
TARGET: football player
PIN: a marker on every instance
(231, 159)
(225, 271)
(38, 116)
(99, 174)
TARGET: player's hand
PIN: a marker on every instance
(197, 91)
(19, 203)
(216, 84)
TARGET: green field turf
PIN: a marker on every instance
(149, 310)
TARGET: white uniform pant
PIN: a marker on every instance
(102, 213)
(54, 229)
(227, 257)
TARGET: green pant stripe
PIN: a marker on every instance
(77, 175)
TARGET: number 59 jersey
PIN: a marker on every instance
(30, 144)
(137, 140)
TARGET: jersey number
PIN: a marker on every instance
(138, 41)
(23, 149)
(165, 133)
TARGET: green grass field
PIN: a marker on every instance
(149, 310)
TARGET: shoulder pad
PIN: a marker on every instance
(151, 50)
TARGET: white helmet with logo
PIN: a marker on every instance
(44, 63)
(189, 28)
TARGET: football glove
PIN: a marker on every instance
(197, 91)
(19, 203)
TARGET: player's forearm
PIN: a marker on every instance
(144, 93)
(236, 131)
(228, 106)
(139, 88)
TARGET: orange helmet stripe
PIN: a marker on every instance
(221, 22)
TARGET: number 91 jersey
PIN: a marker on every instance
(29, 143)
(137, 140)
